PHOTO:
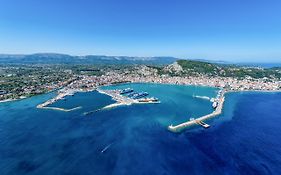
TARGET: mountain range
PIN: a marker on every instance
(54, 58)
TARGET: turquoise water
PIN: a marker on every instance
(177, 100)
(245, 139)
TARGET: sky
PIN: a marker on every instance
(227, 30)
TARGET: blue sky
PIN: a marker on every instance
(229, 30)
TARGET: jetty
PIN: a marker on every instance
(61, 95)
(61, 109)
(200, 120)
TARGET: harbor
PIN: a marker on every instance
(217, 105)
(122, 97)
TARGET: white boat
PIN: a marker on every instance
(215, 104)
(104, 149)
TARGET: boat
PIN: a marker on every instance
(126, 91)
(132, 94)
(140, 95)
(104, 149)
(215, 104)
(203, 124)
(202, 97)
(152, 99)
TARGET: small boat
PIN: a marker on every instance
(104, 149)
(215, 104)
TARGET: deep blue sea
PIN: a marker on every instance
(245, 139)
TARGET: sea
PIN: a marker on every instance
(134, 140)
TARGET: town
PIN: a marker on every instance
(25, 81)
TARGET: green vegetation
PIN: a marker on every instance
(28, 80)
(24, 80)
(210, 69)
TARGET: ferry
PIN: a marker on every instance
(153, 99)
(126, 91)
(140, 95)
(132, 94)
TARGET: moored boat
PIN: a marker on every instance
(152, 99)
(126, 91)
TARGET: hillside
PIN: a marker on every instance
(190, 67)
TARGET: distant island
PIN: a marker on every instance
(27, 75)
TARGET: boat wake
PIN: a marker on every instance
(201, 97)
(105, 148)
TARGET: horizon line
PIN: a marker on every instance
(179, 58)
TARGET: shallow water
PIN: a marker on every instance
(245, 139)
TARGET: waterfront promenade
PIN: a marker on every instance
(218, 110)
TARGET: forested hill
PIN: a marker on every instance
(226, 70)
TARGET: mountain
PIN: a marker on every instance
(54, 58)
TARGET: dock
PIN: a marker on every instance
(203, 124)
(122, 100)
(200, 120)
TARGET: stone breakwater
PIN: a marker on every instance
(121, 100)
(216, 112)
(60, 96)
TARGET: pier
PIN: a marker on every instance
(61, 95)
(61, 109)
(200, 120)
(122, 100)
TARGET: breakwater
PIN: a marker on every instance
(216, 112)
(60, 96)
(122, 100)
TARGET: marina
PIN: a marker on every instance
(122, 97)
(61, 96)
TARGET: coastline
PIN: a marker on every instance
(9, 100)
(12, 99)
(124, 101)
(121, 83)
